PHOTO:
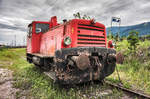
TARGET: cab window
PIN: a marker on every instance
(29, 31)
(42, 27)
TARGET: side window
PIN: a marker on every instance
(42, 27)
(29, 31)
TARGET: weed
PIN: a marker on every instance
(135, 71)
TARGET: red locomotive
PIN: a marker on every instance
(72, 52)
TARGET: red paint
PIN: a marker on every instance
(82, 33)
(110, 44)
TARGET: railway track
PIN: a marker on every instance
(135, 93)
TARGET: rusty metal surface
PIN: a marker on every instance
(78, 65)
(120, 58)
(82, 61)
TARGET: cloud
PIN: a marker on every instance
(10, 36)
(44, 9)
(17, 14)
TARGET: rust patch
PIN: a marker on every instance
(82, 61)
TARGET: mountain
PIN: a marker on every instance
(143, 29)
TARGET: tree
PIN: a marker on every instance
(110, 35)
(116, 37)
(133, 39)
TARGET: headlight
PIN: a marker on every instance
(67, 41)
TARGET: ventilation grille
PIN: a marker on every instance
(89, 35)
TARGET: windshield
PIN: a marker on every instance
(44, 27)
(29, 30)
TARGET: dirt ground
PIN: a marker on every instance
(6, 84)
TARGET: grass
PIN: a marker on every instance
(28, 77)
(33, 84)
(135, 71)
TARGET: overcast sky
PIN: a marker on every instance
(15, 15)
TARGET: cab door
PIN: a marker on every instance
(36, 38)
(29, 38)
(39, 28)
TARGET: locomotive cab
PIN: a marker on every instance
(73, 52)
(35, 31)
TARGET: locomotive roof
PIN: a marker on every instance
(83, 21)
(78, 21)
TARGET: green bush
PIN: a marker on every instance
(133, 40)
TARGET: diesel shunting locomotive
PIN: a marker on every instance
(73, 52)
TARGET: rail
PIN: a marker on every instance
(136, 93)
